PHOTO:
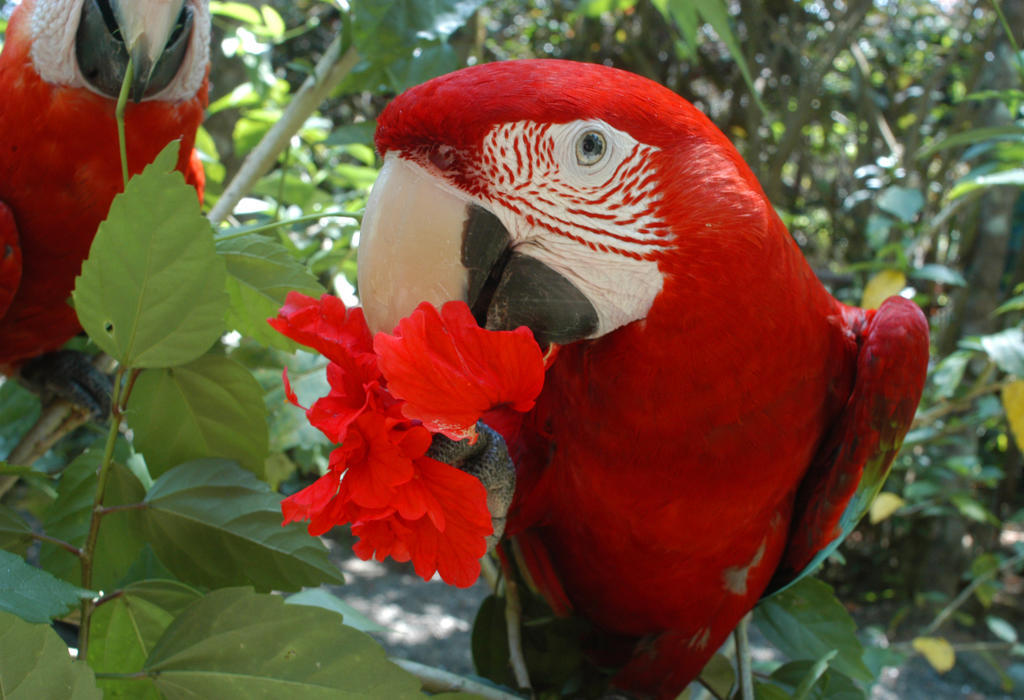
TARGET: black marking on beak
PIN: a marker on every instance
(532, 294)
(508, 289)
(485, 250)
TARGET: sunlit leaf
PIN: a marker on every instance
(215, 406)
(881, 286)
(884, 505)
(1006, 349)
(1013, 402)
(260, 274)
(151, 292)
(937, 651)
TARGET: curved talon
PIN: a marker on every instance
(487, 459)
(70, 375)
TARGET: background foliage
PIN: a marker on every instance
(889, 135)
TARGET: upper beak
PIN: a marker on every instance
(146, 28)
(422, 240)
(154, 34)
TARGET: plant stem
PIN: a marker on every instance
(743, 666)
(89, 550)
(122, 101)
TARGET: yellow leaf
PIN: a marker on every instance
(937, 651)
(884, 505)
(1013, 404)
(882, 286)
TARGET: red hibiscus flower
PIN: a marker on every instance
(438, 373)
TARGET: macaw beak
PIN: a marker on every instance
(423, 240)
(155, 34)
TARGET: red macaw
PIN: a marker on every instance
(61, 70)
(714, 422)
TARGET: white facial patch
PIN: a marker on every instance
(54, 24)
(580, 197)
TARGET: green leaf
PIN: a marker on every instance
(1006, 349)
(902, 202)
(151, 292)
(718, 675)
(31, 593)
(387, 33)
(1001, 628)
(217, 410)
(806, 622)
(234, 643)
(34, 663)
(971, 137)
(261, 272)
(489, 642)
(213, 524)
(972, 509)
(67, 519)
(939, 273)
(124, 630)
(322, 598)
(15, 533)
(972, 182)
(948, 374)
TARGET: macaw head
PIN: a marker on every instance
(88, 43)
(563, 196)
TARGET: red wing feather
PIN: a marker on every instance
(852, 463)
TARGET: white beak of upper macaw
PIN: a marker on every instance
(155, 34)
(424, 240)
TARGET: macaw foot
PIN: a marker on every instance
(488, 460)
(69, 374)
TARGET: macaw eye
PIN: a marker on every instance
(590, 148)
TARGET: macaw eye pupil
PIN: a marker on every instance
(590, 148)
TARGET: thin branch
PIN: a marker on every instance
(962, 404)
(107, 510)
(330, 70)
(54, 541)
(963, 596)
(436, 680)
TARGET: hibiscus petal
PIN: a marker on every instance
(375, 465)
(303, 504)
(325, 325)
(450, 371)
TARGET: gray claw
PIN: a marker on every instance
(488, 461)
(71, 375)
